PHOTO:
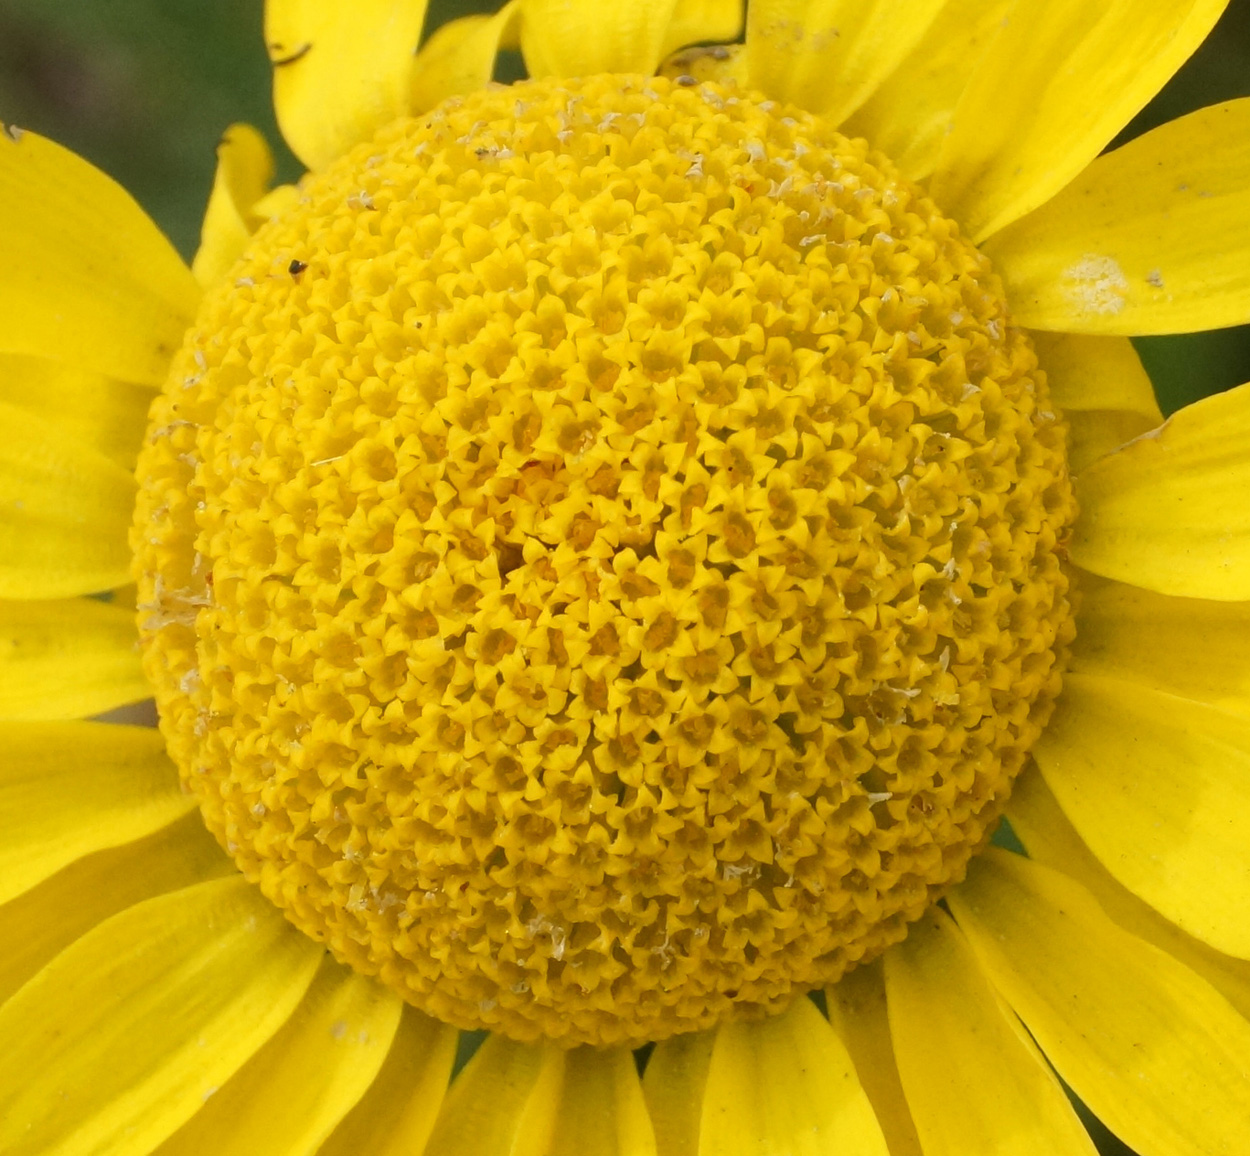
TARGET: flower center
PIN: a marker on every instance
(600, 557)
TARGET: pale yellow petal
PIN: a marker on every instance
(910, 114)
(67, 789)
(1156, 1052)
(602, 1112)
(121, 1038)
(1054, 86)
(88, 278)
(975, 1082)
(1052, 841)
(244, 172)
(1169, 511)
(582, 37)
(397, 1113)
(288, 1097)
(693, 21)
(340, 71)
(84, 406)
(505, 1100)
(858, 1013)
(829, 56)
(1183, 646)
(460, 56)
(1096, 373)
(1150, 238)
(785, 1084)
(68, 659)
(673, 1085)
(1156, 785)
(64, 512)
(722, 63)
(43, 921)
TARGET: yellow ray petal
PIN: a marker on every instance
(67, 789)
(460, 56)
(43, 921)
(974, 1080)
(1094, 433)
(121, 1038)
(1149, 239)
(1183, 646)
(505, 1100)
(785, 1084)
(697, 20)
(602, 1112)
(107, 415)
(88, 278)
(64, 512)
(581, 37)
(910, 114)
(1058, 81)
(396, 1115)
(1156, 785)
(244, 172)
(1169, 511)
(1052, 841)
(830, 55)
(1158, 1054)
(857, 1011)
(340, 71)
(723, 63)
(1096, 373)
(673, 1085)
(68, 659)
(287, 1098)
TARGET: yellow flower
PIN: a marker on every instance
(606, 554)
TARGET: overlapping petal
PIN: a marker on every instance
(460, 56)
(1053, 87)
(1151, 238)
(583, 37)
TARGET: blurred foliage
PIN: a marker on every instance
(144, 89)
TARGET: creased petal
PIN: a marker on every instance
(785, 1084)
(88, 278)
(64, 512)
(1096, 373)
(975, 1082)
(1095, 433)
(244, 173)
(673, 1085)
(396, 1115)
(602, 1111)
(1156, 785)
(67, 789)
(42, 922)
(910, 114)
(1055, 85)
(68, 659)
(1156, 1052)
(505, 1098)
(340, 71)
(830, 55)
(287, 1098)
(582, 37)
(121, 1038)
(857, 1011)
(1169, 512)
(460, 56)
(87, 407)
(1150, 238)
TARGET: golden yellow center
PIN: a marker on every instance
(600, 557)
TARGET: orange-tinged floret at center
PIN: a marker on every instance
(600, 557)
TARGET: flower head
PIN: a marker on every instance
(606, 553)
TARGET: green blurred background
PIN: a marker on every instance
(144, 88)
